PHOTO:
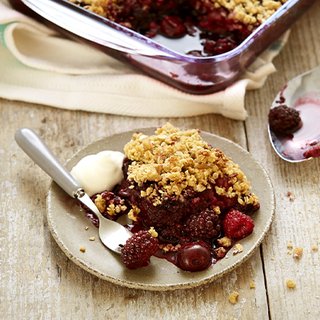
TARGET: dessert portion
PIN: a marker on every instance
(187, 201)
(222, 24)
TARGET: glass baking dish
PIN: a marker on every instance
(160, 57)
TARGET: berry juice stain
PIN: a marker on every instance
(305, 142)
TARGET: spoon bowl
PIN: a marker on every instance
(303, 94)
(112, 234)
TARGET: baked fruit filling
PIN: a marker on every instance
(186, 199)
(222, 24)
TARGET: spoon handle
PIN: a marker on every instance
(37, 150)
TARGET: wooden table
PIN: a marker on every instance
(39, 282)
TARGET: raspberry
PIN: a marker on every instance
(138, 249)
(205, 225)
(237, 225)
(284, 120)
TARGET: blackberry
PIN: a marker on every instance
(138, 249)
(284, 120)
(205, 225)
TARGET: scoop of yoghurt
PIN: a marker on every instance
(99, 172)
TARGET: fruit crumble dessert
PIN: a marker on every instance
(187, 201)
(222, 24)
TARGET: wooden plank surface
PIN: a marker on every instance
(37, 281)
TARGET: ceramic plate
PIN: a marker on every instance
(68, 226)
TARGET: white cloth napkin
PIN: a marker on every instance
(39, 66)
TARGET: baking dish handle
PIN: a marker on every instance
(91, 29)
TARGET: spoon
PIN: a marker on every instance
(303, 94)
(112, 234)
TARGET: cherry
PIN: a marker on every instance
(194, 256)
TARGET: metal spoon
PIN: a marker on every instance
(112, 234)
(303, 94)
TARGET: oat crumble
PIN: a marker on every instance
(174, 161)
(247, 11)
(225, 242)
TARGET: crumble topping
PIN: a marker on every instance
(100, 203)
(153, 232)
(112, 209)
(248, 12)
(82, 249)
(252, 284)
(133, 213)
(225, 242)
(173, 161)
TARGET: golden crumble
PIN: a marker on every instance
(225, 242)
(233, 297)
(82, 249)
(173, 161)
(314, 248)
(249, 12)
(238, 248)
(133, 213)
(290, 284)
(100, 203)
(252, 284)
(153, 232)
(297, 252)
(111, 209)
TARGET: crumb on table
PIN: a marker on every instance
(233, 297)
(291, 196)
(297, 253)
(82, 249)
(252, 284)
(291, 284)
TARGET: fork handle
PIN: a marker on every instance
(37, 150)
